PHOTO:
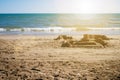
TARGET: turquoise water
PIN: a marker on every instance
(12, 21)
(65, 20)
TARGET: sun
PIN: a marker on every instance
(87, 7)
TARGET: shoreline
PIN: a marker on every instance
(61, 31)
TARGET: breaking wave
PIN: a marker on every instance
(48, 29)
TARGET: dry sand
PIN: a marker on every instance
(43, 58)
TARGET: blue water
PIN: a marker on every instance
(59, 20)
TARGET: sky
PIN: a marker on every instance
(59, 6)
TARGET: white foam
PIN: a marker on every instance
(50, 29)
(15, 30)
(2, 29)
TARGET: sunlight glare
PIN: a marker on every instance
(87, 7)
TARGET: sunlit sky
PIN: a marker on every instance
(59, 6)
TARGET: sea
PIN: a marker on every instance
(54, 24)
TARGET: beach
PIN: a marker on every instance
(59, 39)
(30, 57)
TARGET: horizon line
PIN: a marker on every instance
(53, 13)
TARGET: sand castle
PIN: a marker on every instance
(88, 40)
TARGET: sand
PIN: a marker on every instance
(24, 57)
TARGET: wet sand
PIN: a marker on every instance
(43, 58)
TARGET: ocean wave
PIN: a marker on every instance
(48, 29)
(57, 29)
